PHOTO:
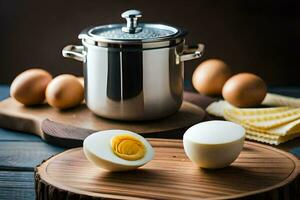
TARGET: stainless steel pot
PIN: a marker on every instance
(133, 71)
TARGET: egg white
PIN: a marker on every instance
(214, 144)
(215, 132)
(97, 148)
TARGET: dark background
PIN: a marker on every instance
(262, 37)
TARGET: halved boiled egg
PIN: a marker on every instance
(117, 150)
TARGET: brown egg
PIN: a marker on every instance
(29, 87)
(81, 80)
(244, 90)
(64, 91)
(210, 76)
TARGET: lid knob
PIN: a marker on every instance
(131, 17)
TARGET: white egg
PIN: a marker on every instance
(214, 144)
(98, 149)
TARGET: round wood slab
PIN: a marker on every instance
(260, 172)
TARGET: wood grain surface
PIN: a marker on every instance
(25, 156)
(260, 172)
(69, 128)
(16, 185)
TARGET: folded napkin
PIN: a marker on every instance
(272, 125)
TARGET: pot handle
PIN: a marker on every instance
(74, 52)
(192, 52)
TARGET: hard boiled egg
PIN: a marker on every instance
(117, 150)
(214, 144)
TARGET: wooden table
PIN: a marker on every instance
(20, 153)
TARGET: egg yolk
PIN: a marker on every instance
(128, 147)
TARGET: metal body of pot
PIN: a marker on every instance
(133, 79)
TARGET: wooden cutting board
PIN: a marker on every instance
(69, 128)
(260, 172)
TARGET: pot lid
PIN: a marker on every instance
(132, 32)
(147, 32)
